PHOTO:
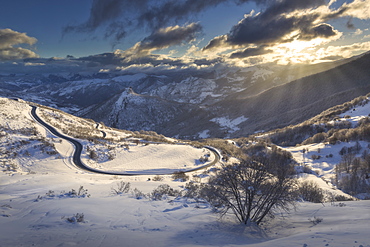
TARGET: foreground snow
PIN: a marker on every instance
(122, 220)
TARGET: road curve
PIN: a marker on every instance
(78, 146)
(78, 150)
(103, 132)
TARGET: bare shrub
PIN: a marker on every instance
(157, 178)
(162, 192)
(352, 174)
(80, 193)
(111, 156)
(121, 187)
(180, 176)
(138, 194)
(310, 191)
(315, 157)
(93, 155)
(315, 220)
(76, 218)
(340, 198)
(200, 192)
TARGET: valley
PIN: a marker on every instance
(188, 106)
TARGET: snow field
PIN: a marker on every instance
(121, 219)
(155, 159)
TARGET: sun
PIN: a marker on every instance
(299, 51)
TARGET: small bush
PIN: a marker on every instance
(111, 156)
(50, 193)
(81, 192)
(316, 220)
(157, 178)
(138, 194)
(76, 218)
(311, 192)
(162, 191)
(307, 169)
(203, 159)
(340, 198)
(315, 157)
(180, 176)
(192, 190)
(122, 187)
(93, 155)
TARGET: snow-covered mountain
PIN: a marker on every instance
(214, 108)
(132, 111)
(194, 104)
(299, 100)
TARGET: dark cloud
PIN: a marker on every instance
(117, 30)
(323, 30)
(162, 14)
(120, 58)
(121, 16)
(216, 42)
(166, 37)
(257, 30)
(104, 12)
(163, 38)
(9, 39)
(286, 6)
(251, 52)
(350, 25)
(276, 24)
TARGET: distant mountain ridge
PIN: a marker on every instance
(225, 102)
(132, 111)
(302, 99)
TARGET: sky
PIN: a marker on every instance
(183, 32)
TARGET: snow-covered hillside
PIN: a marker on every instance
(46, 201)
(132, 111)
(323, 158)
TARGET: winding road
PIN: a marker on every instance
(78, 150)
(103, 132)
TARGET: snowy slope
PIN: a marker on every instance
(323, 158)
(35, 203)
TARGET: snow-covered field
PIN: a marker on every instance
(155, 159)
(36, 207)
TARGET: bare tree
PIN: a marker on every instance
(253, 190)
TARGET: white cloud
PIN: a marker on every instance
(9, 39)
(358, 8)
(344, 51)
(34, 64)
(358, 32)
